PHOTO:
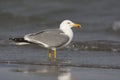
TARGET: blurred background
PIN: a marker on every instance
(94, 52)
(100, 19)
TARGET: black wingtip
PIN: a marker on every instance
(18, 39)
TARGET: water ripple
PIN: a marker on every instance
(63, 64)
(96, 45)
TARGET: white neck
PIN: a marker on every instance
(68, 31)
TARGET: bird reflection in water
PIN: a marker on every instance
(53, 71)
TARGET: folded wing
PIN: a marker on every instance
(48, 38)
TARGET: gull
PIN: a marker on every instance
(53, 39)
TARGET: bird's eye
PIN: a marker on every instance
(68, 22)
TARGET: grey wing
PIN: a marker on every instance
(52, 38)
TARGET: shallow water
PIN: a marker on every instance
(28, 72)
(94, 52)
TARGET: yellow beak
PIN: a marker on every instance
(76, 25)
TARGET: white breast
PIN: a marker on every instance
(69, 33)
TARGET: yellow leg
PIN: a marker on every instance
(55, 54)
(50, 54)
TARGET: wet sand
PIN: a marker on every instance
(33, 72)
(30, 62)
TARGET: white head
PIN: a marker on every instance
(66, 26)
(69, 24)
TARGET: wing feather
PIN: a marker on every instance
(52, 38)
